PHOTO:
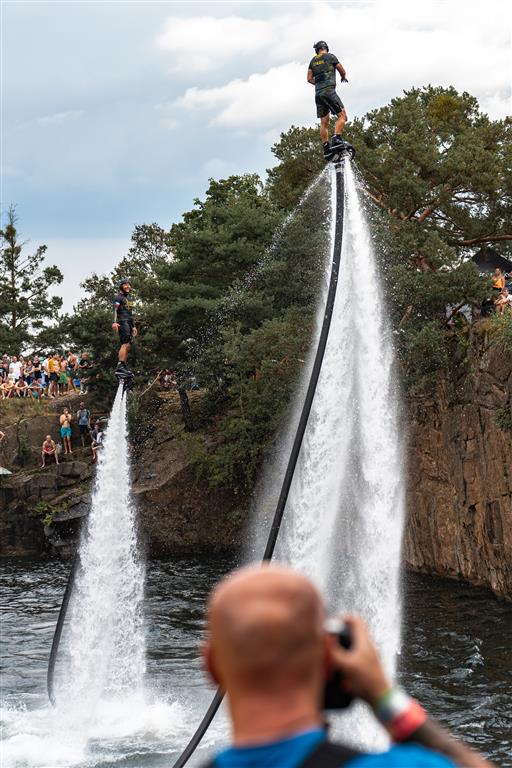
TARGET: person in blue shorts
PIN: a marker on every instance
(65, 430)
(268, 647)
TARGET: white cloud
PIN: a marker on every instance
(263, 100)
(202, 43)
(58, 118)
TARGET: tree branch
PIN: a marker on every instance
(482, 239)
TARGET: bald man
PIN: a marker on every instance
(268, 650)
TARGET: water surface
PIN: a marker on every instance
(455, 658)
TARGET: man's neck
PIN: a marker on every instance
(256, 721)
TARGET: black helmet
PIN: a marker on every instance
(321, 44)
(122, 282)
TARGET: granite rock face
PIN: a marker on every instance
(177, 513)
(460, 473)
(61, 491)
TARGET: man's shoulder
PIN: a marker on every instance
(118, 298)
(402, 756)
(332, 58)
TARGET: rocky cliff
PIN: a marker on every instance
(460, 471)
(178, 512)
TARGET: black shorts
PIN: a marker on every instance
(328, 101)
(84, 429)
(125, 332)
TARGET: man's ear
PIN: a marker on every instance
(328, 655)
(208, 661)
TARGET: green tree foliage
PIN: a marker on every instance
(25, 305)
(435, 164)
(300, 159)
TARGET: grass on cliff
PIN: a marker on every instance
(501, 329)
(12, 411)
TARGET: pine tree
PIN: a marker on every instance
(25, 305)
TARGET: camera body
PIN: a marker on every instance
(334, 695)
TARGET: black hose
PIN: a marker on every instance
(58, 629)
(297, 443)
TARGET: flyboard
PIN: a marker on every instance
(126, 377)
(340, 151)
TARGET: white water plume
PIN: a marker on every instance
(104, 648)
(344, 518)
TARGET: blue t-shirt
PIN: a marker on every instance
(290, 753)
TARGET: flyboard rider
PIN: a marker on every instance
(322, 74)
(124, 323)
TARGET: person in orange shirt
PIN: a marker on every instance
(53, 371)
(498, 280)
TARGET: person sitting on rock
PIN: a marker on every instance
(21, 388)
(7, 388)
(36, 389)
(48, 449)
(504, 301)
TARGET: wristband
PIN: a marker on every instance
(399, 713)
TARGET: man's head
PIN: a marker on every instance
(321, 47)
(124, 286)
(82, 405)
(265, 635)
(48, 438)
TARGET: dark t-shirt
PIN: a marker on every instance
(123, 303)
(323, 67)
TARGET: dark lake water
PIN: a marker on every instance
(456, 659)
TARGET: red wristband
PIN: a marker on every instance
(407, 722)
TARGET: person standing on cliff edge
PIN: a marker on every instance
(124, 323)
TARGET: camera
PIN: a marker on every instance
(334, 695)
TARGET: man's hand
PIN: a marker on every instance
(115, 326)
(344, 79)
(360, 665)
(134, 331)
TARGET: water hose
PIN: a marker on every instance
(58, 629)
(297, 443)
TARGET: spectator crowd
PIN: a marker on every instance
(54, 376)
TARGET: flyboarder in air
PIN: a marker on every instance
(322, 74)
(124, 323)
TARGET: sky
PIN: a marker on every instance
(117, 113)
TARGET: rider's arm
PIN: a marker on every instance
(115, 321)
(341, 70)
(311, 77)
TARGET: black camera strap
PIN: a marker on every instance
(329, 755)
